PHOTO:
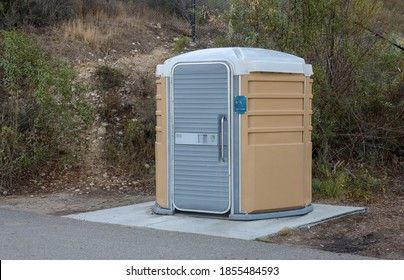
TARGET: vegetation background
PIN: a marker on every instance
(355, 48)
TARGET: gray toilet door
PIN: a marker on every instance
(200, 137)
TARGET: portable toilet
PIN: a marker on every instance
(233, 134)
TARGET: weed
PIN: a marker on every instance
(286, 231)
(353, 181)
(332, 187)
(181, 43)
(364, 185)
(266, 239)
(112, 106)
(329, 183)
(108, 77)
(87, 32)
(99, 24)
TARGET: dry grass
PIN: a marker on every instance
(87, 32)
(100, 27)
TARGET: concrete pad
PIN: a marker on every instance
(141, 215)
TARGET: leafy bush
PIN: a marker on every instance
(46, 12)
(42, 109)
(181, 43)
(108, 77)
(34, 12)
(176, 7)
(358, 77)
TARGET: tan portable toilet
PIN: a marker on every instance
(234, 134)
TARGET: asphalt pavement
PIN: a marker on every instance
(25, 235)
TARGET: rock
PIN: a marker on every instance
(5, 193)
(102, 130)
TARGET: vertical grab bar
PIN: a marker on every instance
(222, 119)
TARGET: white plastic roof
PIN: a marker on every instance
(241, 60)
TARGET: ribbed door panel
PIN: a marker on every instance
(201, 181)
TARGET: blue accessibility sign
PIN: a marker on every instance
(240, 104)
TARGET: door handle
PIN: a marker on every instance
(222, 120)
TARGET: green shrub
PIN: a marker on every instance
(108, 77)
(175, 7)
(42, 110)
(34, 12)
(358, 77)
(330, 183)
(14, 13)
(364, 185)
(353, 181)
(181, 43)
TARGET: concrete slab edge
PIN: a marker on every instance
(352, 212)
(272, 215)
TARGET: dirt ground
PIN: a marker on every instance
(73, 201)
(379, 232)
